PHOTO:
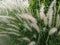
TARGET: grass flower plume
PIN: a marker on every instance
(29, 22)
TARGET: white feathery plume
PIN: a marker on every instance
(50, 12)
(52, 31)
(12, 29)
(5, 4)
(33, 22)
(28, 17)
(45, 21)
(13, 33)
(22, 3)
(26, 39)
(10, 4)
(3, 11)
(25, 3)
(32, 19)
(2, 6)
(32, 43)
(15, 4)
(42, 15)
(35, 26)
(4, 32)
(27, 26)
(13, 26)
(5, 18)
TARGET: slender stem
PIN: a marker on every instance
(38, 40)
(47, 39)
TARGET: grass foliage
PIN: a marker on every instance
(33, 22)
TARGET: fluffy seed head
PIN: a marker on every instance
(50, 12)
(25, 38)
(42, 15)
(52, 31)
(35, 26)
(32, 43)
(28, 17)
